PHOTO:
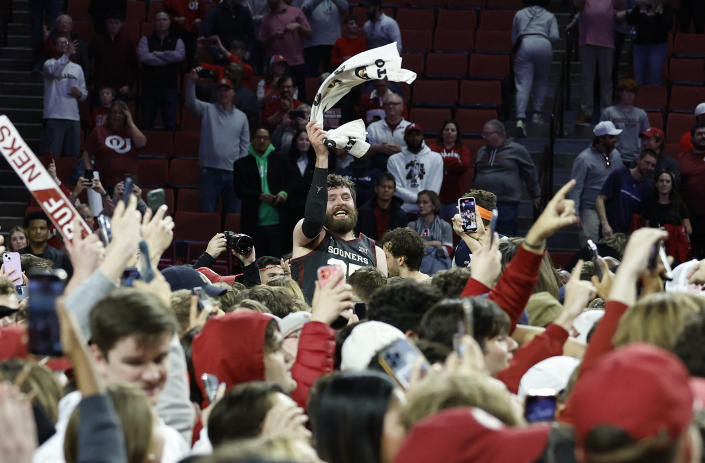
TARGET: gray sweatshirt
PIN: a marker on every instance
(225, 134)
(324, 17)
(502, 171)
(590, 171)
(535, 20)
(633, 122)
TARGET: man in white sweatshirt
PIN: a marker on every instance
(415, 168)
(64, 87)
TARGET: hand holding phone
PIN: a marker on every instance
(540, 405)
(13, 267)
(399, 360)
(595, 257)
(155, 199)
(203, 302)
(128, 190)
(43, 322)
(327, 273)
(493, 225)
(146, 272)
(468, 213)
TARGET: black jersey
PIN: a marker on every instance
(351, 255)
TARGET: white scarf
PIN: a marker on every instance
(379, 63)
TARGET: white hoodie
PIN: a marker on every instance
(59, 76)
(414, 173)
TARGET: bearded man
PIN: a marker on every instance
(325, 236)
(692, 188)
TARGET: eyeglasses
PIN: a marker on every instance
(488, 134)
(261, 137)
(391, 104)
(608, 163)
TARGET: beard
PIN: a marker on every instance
(698, 146)
(341, 226)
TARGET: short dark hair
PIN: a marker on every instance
(127, 311)
(162, 11)
(266, 261)
(695, 128)
(31, 262)
(115, 14)
(238, 44)
(386, 176)
(451, 281)
(36, 215)
(284, 78)
(645, 153)
(458, 140)
(350, 17)
(605, 440)
(433, 197)
(628, 85)
(403, 304)
(338, 181)
(404, 241)
(241, 412)
(365, 281)
(688, 345)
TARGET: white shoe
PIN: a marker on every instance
(521, 130)
(537, 118)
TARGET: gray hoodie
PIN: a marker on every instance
(535, 20)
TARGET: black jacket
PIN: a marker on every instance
(367, 222)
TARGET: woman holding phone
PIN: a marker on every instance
(436, 233)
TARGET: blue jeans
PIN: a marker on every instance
(507, 218)
(649, 60)
(215, 182)
(166, 99)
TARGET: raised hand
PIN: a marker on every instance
(157, 231)
(559, 212)
(577, 295)
(331, 300)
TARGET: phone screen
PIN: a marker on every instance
(13, 266)
(327, 272)
(540, 408)
(128, 190)
(399, 359)
(468, 213)
(595, 257)
(155, 199)
(43, 327)
(203, 301)
(146, 272)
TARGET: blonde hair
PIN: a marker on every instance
(435, 393)
(657, 319)
(41, 382)
(135, 413)
(273, 448)
(288, 284)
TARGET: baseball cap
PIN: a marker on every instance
(653, 132)
(699, 109)
(365, 340)
(606, 128)
(216, 277)
(413, 126)
(225, 82)
(277, 59)
(185, 277)
(641, 389)
(459, 435)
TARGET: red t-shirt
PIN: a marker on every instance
(272, 106)
(99, 117)
(190, 10)
(382, 217)
(114, 154)
(346, 47)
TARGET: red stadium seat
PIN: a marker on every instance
(677, 125)
(413, 62)
(672, 149)
(689, 46)
(160, 144)
(154, 6)
(416, 40)
(184, 173)
(685, 98)
(456, 20)
(481, 93)
(186, 144)
(232, 222)
(146, 28)
(446, 65)
(135, 12)
(187, 200)
(441, 93)
(496, 20)
(189, 121)
(453, 40)
(410, 18)
(506, 4)
(655, 119)
(195, 226)
(488, 66)
(430, 119)
(131, 30)
(684, 71)
(471, 121)
(466, 3)
(84, 30)
(78, 10)
(651, 98)
(153, 172)
(493, 41)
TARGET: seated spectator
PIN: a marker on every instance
(229, 20)
(372, 106)
(692, 186)
(111, 150)
(655, 140)
(386, 136)
(404, 249)
(64, 87)
(415, 168)
(277, 108)
(380, 29)
(99, 114)
(324, 19)
(64, 26)
(114, 57)
(383, 211)
(37, 226)
(17, 238)
(456, 162)
(363, 174)
(267, 87)
(291, 124)
(666, 209)
(161, 54)
(630, 119)
(435, 232)
(686, 140)
(349, 44)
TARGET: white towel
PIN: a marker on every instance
(379, 63)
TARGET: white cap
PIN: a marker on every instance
(551, 373)
(584, 322)
(365, 340)
(606, 128)
(699, 109)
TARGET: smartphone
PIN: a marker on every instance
(13, 266)
(128, 189)
(360, 310)
(210, 384)
(106, 233)
(328, 272)
(540, 405)
(595, 257)
(129, 275)
(658, 251)
(43, 322)
(146, 272)
(203, 301)
(155, 199)
(493, 225)
(398, 360)
(466, 206)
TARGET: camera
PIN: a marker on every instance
(239, 242)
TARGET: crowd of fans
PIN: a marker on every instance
(355, 329)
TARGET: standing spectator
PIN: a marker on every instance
(456, 163)
(383, 212)
(100, 10)
(596, 47)
(99, 114)
(325, 17)
(654, 140)
(277, 109)
(630, 119)
(349, 44)
(533, 30)
(225, 138)
(624, 194)
(111, 149)
(667, 209)
(260, 179)
(650, 20)
(300, 161)
(371, 107)
(64, 87)
(186, 16)
(692, 10)
(621, 30)
(64, 26)
(42, 12)
(415, 168)
(230, 21)
(686, 142)
(114, 58)
(236, 54)
(267, 87)
(364, 175)
(284, 134)
(692, 187)
(161, 55)
(283, 32)
(18, 238)
(37, 226)
(436, 233)
(501, 168)
(379, 28)
(386, 136)
(590, 170)
(244, 97)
